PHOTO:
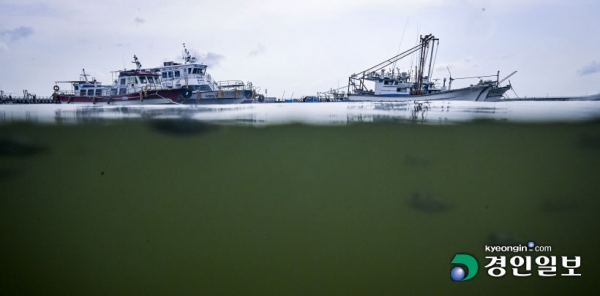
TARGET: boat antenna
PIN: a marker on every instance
(450, 83)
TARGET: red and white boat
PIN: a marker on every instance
(132, 87)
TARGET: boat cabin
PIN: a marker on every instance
(93, 89)
(389, 84)
(175, 75)
(87, 88)
(135, 81)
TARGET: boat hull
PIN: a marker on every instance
(151, 97)
(496, 93)
(214, 97)
(473, 93)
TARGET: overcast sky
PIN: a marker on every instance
(303, 46)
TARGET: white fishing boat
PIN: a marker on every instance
(204, 89)
(392, 85)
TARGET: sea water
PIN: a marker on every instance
(300, 199)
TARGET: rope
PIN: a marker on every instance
(513, 89)
(474, 77)
(434, 60)
(402, 38)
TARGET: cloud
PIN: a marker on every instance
(29, 10)
(210, 59)
(260, 49)
(139, 20)
(16, 34)
(590, 69)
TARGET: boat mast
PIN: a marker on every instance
(423, 52)
(431, 60)
(137, 63)
(84, 76)
(187, 57)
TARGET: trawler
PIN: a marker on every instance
(204, 89)
(394, 86)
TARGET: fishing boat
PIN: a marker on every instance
(132, 87)
(394, 86)
(204, 89)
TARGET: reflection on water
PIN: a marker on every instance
(196, 202)
(436, 112)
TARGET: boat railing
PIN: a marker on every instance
(231, 84)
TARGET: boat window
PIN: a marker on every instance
(177, 73)
(98, 92)
(150, 80)
(142, 79)
(189, 70)
(122, 81)
(90, 92)
(113, 91)
(170, 74)
(195, 71)
(82, 93)
(76, 87)
(385, 82)
(164, 74)
(122, 91)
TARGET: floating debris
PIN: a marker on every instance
(181, 127)
(429, 203)
(19, 146)
(557, 205)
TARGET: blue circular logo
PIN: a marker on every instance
(530, 244)
(457, 274)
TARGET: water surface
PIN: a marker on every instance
(111, 201)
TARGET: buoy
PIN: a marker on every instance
(186, 92)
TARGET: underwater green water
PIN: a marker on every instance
(128, 209)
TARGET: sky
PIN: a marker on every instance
(301, 47)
